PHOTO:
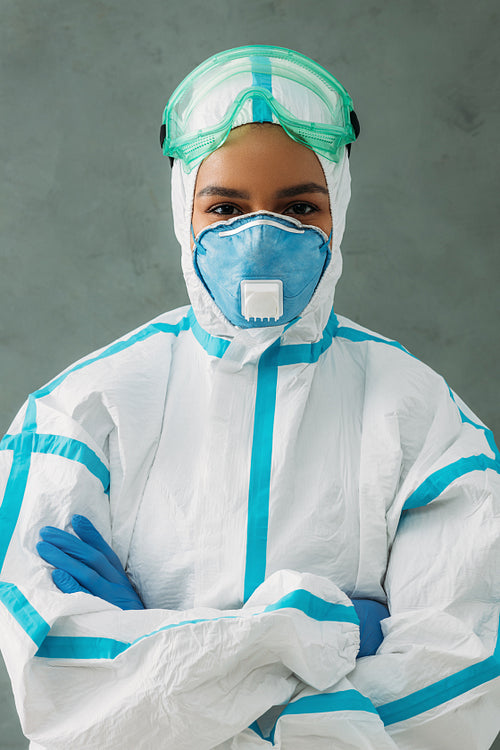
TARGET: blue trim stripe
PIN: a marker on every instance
(490, 439)
(29, 424)
(261, 111)
(24, 445)
(19, 607)
(8, 443)
(213, 345)
(437, 482)
(442, 691)
(316, 608)
(344, 700)
(73, 450)
(77, 647)
(260, 471)
(262, 446)
(71, 647)
(14, 491)
(293, 354)
(119, 346)
(288, 354)
(21, 460)
(174, 625)
(353, 334)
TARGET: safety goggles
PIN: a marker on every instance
(257, 83)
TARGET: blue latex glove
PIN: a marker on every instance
(370, 613)
(86, 563)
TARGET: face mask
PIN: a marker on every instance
(261, 269)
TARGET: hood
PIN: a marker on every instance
(310, 326)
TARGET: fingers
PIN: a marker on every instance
(89, 534)
(81, 578)
(66, 583)
(85, 576)
(79, 550)
(86, 563)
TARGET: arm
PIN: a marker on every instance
(434, 682)
(86, 563)
(435, 679)
(88, 675)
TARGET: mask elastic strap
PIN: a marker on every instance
(328, 252)
(197, 249)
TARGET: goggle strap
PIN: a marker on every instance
(355, 126)
(354, 122)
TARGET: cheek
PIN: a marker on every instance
(325, 223)
(201, 219)
(197, 224)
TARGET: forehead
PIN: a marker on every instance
(260, 154)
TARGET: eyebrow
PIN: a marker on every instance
(223, 192)
(289, 192)
(306, 187)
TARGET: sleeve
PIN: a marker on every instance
(434, 682)
(435, 678)
(86, 674)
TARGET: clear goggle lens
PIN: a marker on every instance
(256, 84)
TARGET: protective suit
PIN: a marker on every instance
(252, 481)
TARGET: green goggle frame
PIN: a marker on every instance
(260, 68)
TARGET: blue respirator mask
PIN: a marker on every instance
(261, 269)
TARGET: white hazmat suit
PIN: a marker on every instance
(251, 482)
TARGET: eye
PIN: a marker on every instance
(224, 209)
(301, 209)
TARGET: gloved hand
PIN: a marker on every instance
(86, 564)
(370, 613)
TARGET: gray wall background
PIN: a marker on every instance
(86, 242)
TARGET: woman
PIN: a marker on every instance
(257, 463)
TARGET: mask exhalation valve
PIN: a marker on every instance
(261, 299)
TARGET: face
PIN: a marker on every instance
(259, 168)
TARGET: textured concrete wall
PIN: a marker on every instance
(87, 248)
